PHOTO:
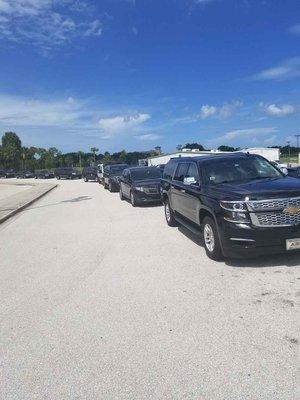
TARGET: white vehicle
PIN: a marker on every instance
(100, 171)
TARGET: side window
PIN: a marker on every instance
(181, 172)
(169, 171)
(192, 175)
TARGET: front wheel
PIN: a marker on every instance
(169, 214)
(121, 194)
(211, 239)
(133, 200)
(110, 187)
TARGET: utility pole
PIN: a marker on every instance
(289, 146)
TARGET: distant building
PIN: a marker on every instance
(269, 153)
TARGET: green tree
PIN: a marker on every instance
(94, 150)
(226, 148)
(11, 150)
(194, 146)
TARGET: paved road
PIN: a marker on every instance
(103, 301)
(7, 188)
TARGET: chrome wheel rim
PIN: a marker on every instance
(209, 238)
(132, 199)
(167, 211)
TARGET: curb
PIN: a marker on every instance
(25, 205)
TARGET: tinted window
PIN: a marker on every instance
(145, 173)
(117, 169)
(239, 169)
(169, 170)
(181, 172)
(192, 175)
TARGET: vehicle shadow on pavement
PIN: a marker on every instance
(278, 260)
(75, 200)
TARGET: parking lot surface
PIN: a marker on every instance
(100, 300)
(9, 189)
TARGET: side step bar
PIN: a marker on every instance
(188, 226)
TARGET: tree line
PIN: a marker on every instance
(13, 155)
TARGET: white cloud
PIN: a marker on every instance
(295, 29)
(46, 23)
(225, 111)
(121, 124)
(286, 70)
(275, 110)
(238, 134)
(149, 136)
(203, 1)
(207, 111)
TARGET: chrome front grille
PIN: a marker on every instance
(275, 219)
(268, 213)
(151, 189)
(273, 204)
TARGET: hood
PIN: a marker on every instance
(145, 182)
(259, 189)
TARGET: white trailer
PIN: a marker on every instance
(271, 154)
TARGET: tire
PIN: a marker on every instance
(211, 239)
(169, 214)
(85, 179)
(121, 194)
(110, 187)
(58, 177)
(133, 200)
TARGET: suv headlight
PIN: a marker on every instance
(235, 211)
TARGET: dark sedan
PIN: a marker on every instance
(10, 173)
(24, 175)
(43, 174)
(141, 185)
(294, 172)
(89, 174)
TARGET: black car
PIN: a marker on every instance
(239, 203)
(24, 175)
(294, 172)
(10, 173)
(43, 174)
(67, 173)
(89, 174)
(141, 185)
(111, 176)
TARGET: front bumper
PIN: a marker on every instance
(237, 241)
(144, 197)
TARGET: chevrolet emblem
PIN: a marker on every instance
(291, 210)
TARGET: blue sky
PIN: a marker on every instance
(133, 74)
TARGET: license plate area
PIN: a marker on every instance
(292, 244)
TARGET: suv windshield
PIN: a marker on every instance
(239, 169)
(118, 169)
(146, 173)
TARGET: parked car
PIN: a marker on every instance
(24, 175)
(281, 166)
(10, 173)
(100, 172)
(294, 172)
(89, 174)
(43, 174)
(141, 185)
(240, 204)
(111, 176)
(67, 173)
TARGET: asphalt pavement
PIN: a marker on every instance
(100, 300)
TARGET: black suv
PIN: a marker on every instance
(241, 204)
(24, 175)
(43, 174)
(67, 173)
(141, 185)
(89, 174)
(10, 173)
(112, 175)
